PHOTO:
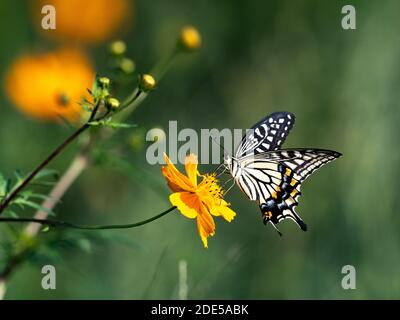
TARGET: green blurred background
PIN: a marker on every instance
(257, 57)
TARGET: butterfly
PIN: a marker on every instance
(273, 176)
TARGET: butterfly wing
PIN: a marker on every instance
(266, 135)
(274, 180)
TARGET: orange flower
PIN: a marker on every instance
(51, 85)
(90, 21)
(200, 201)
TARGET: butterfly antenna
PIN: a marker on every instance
(219, 166)
(220, 173)
(276, 228)
(226, 182)
(229, 189)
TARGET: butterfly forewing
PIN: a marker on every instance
(268, 134)
(302, 162)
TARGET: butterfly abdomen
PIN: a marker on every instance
(270, 211)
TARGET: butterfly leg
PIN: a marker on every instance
(230, 187)
(221, 173)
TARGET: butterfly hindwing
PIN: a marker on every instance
(281, 204)
(266, 135)
(274, 180)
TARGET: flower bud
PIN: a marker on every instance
(147, 83)
(104, 82)
(112, 104)
(118, 47)
(190, 38)
(127, 65)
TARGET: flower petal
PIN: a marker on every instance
(205, 226)
(187, 203)
(191, 168)
(223, 210)
(176, 180)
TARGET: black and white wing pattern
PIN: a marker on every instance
(266, 135)
(274, 179)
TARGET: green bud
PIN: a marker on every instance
(104, 82)
(147, 83)
(118, 47)
(127, 65)
(112, 103)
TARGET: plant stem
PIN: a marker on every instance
(14, 261)
(19, 257)
(59, 223)
(75, 169)
(128, 106)
(77, 166)
(41, 166)
(5, 203)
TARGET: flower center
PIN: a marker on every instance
(210, 185)
(62, 99)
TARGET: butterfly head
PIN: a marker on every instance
(228, 160)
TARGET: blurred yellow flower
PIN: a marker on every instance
(200, 201)
(190, 38)
(47, 86)
(90, 21)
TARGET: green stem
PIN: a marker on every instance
(7, 201)
(59, 223)
(164, 64)
(41, 166)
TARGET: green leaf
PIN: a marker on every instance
(114, 125)
(9, 186)
(45, 229)
(19, 176)
(95, 88)
(121, 125)
(44, 257)
(43, 183)
(3, 186)
(85, 245)
(95, 123)
(11, 214)
(47, 173)
(23, 202)
(28, 194)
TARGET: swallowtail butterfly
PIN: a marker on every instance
(273, 176)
